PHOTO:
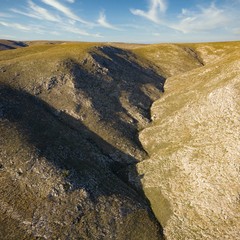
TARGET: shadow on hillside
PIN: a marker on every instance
(67, 144)
(117, 85)
(120, 89)
(8, 45)
(117, 72)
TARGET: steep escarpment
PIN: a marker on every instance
(72, 165)
(69, 122)
(107, 89)
(192, 175)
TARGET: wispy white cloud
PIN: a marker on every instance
(5, 15)
(28, 14)
(37, 12)
(128, 26)
(65, 10)
(42, 12)
(156, 8)
(204, 19)
(6, 36)
(67, 23)
(16, 26)
(102, 21)
(79, 31)
(236, 31)
(37, 29)
(71, 1)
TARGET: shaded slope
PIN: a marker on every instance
(107, 89)
(8, 44)
(69, 121)
(192, 176)
(53, 184)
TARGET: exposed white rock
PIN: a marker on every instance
(193, 176)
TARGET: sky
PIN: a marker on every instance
(133, 21)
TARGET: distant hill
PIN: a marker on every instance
(9, 44)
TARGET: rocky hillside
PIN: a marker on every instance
(192, 175)
(71, 163)
(171, 59)
(69, 121)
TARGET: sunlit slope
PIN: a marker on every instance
(210, 52)
(192, 176)
(171, 59)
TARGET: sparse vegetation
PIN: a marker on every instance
(191, 177)
(71, 163)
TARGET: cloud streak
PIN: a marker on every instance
(65, 10)
(162, 20)
(206, 19)
(5, 15)
(156, 8)
(79, 31)
(102, 21)
(16, 26)
(203, 19)
(37, 12)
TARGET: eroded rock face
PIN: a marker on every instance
(192, 176)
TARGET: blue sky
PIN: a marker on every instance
(142, 21)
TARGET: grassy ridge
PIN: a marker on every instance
(192, 173)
